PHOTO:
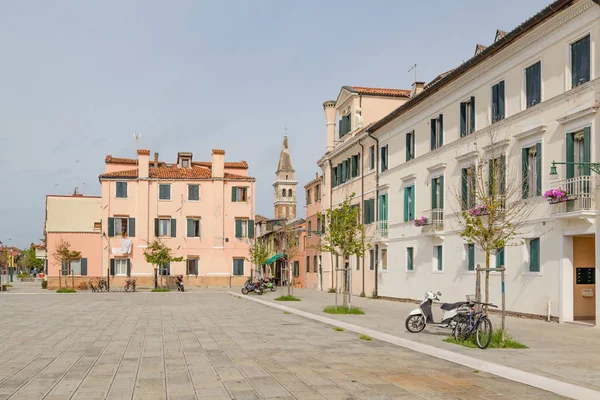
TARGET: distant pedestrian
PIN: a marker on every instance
(35, 273)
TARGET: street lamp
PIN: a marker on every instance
(592, 166)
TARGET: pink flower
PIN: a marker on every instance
(420, 221)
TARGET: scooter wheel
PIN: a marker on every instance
(415, 323)
(183, 289)
(244, 291)
(260, 292)
(273, 288)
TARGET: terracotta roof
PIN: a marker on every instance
(379, 91)
(143, 152)
(547, 13)
(208, 164)
(437, 78)
(174, 172)
(217, 151)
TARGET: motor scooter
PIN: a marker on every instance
(250, 286)
(421, 316)
(179, 283)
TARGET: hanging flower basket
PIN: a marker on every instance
(478, 211)
(556, 195)
(422, 221)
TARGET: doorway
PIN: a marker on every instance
(584, 279)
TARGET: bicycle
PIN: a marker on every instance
(130, 285)
(475, 322)
(102, 285)
(94, 288)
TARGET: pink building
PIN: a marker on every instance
(313, 259)
(203, 211)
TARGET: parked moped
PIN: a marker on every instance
(422, 316)
(179, 283)
(250, 286)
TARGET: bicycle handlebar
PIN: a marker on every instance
(485, 304)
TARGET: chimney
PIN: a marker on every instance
(155, 159)
(329, 107)
(218, 163)
(417, 88)
(143, 159)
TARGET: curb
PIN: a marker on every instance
(541, 382)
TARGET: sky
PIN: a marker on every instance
(77, 78)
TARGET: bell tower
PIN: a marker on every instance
(285, 185)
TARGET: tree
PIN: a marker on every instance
(344, 237)
(159, 254)
(258, 254)
(63, 254)
(491, 197)
(29, 261)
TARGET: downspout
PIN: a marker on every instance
(376, 290)
(362, 202)
(330, 208)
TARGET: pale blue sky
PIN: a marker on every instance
(78, 77)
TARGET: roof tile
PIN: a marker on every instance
(381, 91)
(174, 172)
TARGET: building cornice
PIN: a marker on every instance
(537, 130)
(578, 113)
(437, 167)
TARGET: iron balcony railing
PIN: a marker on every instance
(381, 230)
(435, 220)
(580, 195)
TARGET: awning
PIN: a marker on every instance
(275, 257)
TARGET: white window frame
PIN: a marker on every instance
(381, 259)
(119, 232)
(531, 172)
(126, 189)
(526, 256)
(188, 194)
(466, 258)
(72, 265)
(410, 271)
(491, 102)
(435, 260)
(467, 103)
(187, 266)
(244, 226)
(568, 70)
(199, 221)
(168, 234)
(119, 261)
(531, 63)
(170, 192)
(239, 191)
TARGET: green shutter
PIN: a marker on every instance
(173, 227)
(406, 204)
(63, 268)
(131, 227)
(525, 172)
(409, 258)
(366, 212)
(502, 173)
(441, 132)
(538, 164)
(500, 258)
(495, 112)
(433, 193)
(196, 262)
(472, 114)
(234, 193)
(111, 227)
(168, 269)
(463, 119)
(439, 258)
(465, 188)
(190, 227)
(570, 156)
(238, 228)
(412, 203)
(83, 266)
(501, 99)
(128, 267)
(441, 183)
(156, 227)
(534, 255)
(433, 141)
(307, 263)
(112, 266)
(251, 228)
(587, 141)
(471, 257)
(408, 148)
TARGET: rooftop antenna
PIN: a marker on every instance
(415, 68)
(136, 138)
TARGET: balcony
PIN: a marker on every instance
(381, 230)
(435, 220)
(581, 195)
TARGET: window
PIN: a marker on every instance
(191, 266)
(75, 267)
(283, 193)
(357, 263)
(317, 193)
(534, 255)
(578, 150)
(320, 263)
(580, 62)
(121, 266)
(308, 197)
(369, 211)
(309, 228)
(498, 102)
(240, 194)
(164, 191)
(409, 203)
(315, 265)
(384, 158)
(468, 188)
(500, 258)
(410, 251)
(185, 163)
(289, 192)
(319, 228)
(307, 263)
(193, 192)
(410, 145)
(470, 257)
(437, 132)
(372, 260)
(497, 176)
(163, 227)
(121, 190)
(532, 171)
(383, 207)
(372, 157)
(533, 84)
(345, 125)
(334, 177)
(355, 164)
(238, 266)
(384, 259)
(467, 117)
(121, 226)
(437, 194)
(193, 227)
(437, 258)
(296, 269)
(244, 228)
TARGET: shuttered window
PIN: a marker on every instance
(534, 255)
(193, 227)
(164, 191)
(467, 117)
(121, 190)
(471, 257)
(372, 157)
(580, 61)
(410, 145)
(296, 269)
(410, 259)
(500, 258)
(437, 132)
(193, 192)
(409, 203)
(307, 263)
(238, 266)
(192, 266)
(355, 165)
(533, 84)
(384, 158)
(498, 99)
(437, 254)
(369, 211)
(531, 160)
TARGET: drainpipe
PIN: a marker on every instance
(362, 202)
(330, 207)
(376, 289)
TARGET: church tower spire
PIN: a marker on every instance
(285, 185)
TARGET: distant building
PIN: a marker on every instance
(314, 228)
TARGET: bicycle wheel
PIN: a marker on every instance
(462, 330)
(483, 334)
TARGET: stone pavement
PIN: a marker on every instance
(566, 352)
(210, 345)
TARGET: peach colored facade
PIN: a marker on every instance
(312, 256)
(203, 211)
(72, 218)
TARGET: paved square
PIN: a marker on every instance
(210, 345)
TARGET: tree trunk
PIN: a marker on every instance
(487, 277)
(289, 277)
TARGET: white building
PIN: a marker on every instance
(539, 84)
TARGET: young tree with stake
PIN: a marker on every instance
(63, 254)
(159, 254)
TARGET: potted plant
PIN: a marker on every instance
(556, 195)
(478, 211)
(419, 222)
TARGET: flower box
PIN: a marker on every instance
(556, 195)
(479, 211)
(419, 222)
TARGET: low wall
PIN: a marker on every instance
(118, 282)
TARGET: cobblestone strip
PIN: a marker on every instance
(182, 368)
